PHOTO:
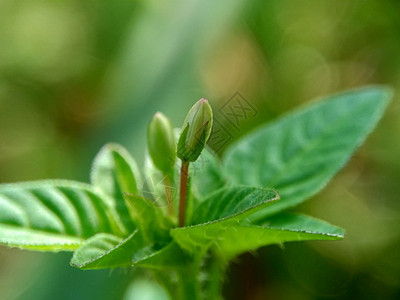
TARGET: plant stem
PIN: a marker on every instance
(183, 192)
(189, 284)
(215, 269)
(168, 195)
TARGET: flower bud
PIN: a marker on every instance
(196, 131)
(161, 143)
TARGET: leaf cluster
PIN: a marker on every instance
(236, 204)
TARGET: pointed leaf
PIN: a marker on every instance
(223, 209)
(299, 222)
(115, 172)
(300, 152)
(281, 228)
(53, 215)
(107, 251)
(231, 239)
(235, 202)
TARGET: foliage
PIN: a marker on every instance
(236, 205)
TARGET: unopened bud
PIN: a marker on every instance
(161, 143)
(196, 131)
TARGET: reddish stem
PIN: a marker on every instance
(183, 192)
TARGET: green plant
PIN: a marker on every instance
(229, 205)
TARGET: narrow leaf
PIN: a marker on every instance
(53, 215)
(115, 172)
(300, 152)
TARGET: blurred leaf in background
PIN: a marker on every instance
(75, 75)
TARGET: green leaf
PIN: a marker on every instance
(300, 152)
(115, 172)
(169, 257)
(155, 182)
(277, 230)
(151, 219)
(207, 175)
(299, 222)
(107, 251)
(231, 239)
(53, 215)
(235, 202)
(223, 209)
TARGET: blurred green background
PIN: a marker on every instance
(77, 74)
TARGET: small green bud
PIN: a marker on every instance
(161, 143)
(196, 131)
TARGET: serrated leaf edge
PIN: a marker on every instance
(105, 253)
(237, 214)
